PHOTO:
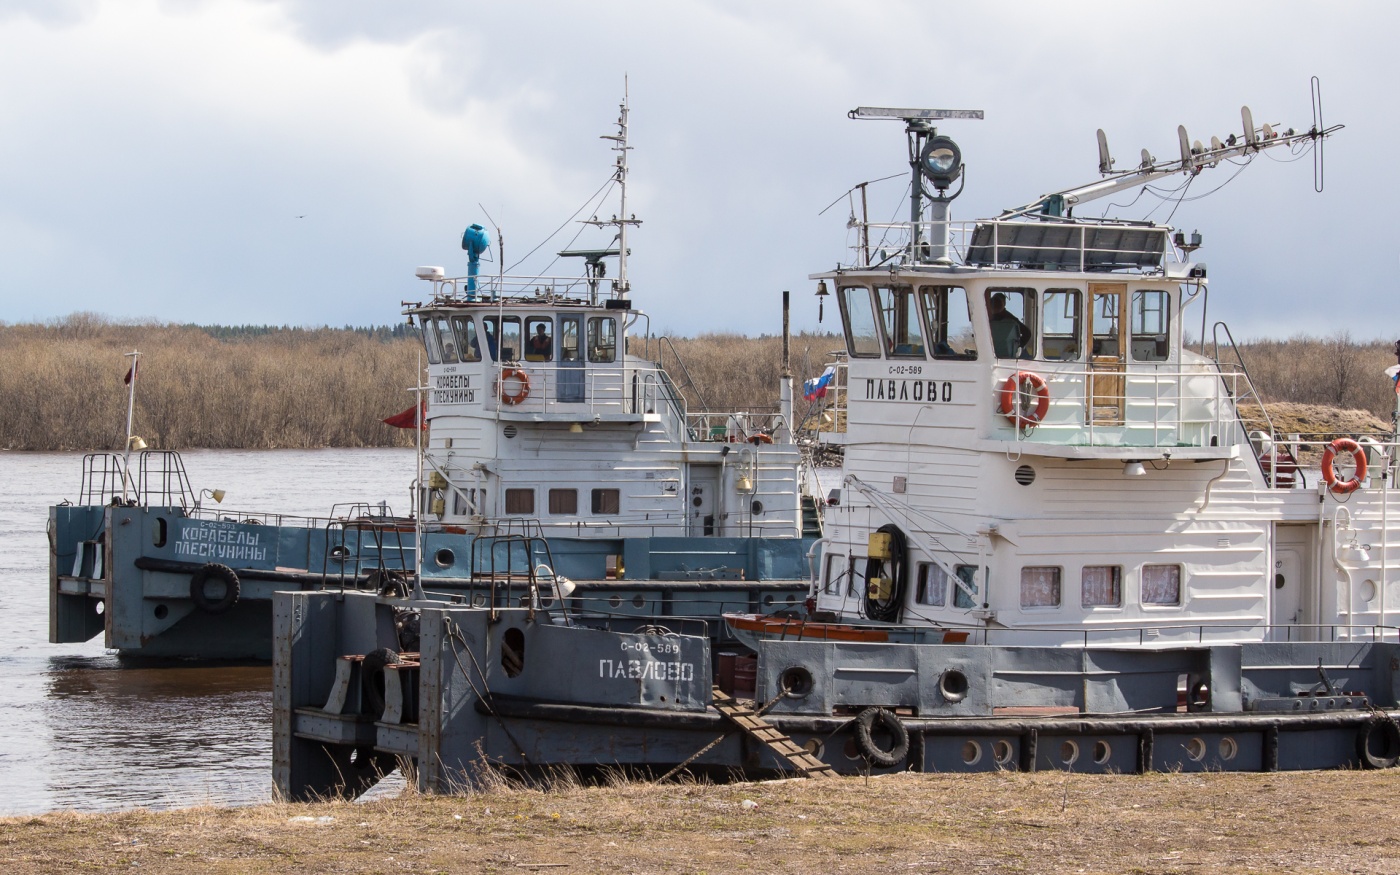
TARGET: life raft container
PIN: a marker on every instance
(1329, 473)
(520, 377)
(1012, 391)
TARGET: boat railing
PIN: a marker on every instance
(1044, 243)
(512, 289)
(733, 426)
(158, 481)
(1143, 405)
(376, 552)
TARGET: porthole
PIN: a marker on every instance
(445, 558)
(162, 612)
(1278, 581)
(1196, 749)
(814, 747)
(971, 752)
(1102, 751)
(1025, 475)
(639, 601)
(159, 533)
(1367, 590)
(757, 507)
(339, 553)
(1228, 748)
(100, 608)
(1069, 752)
(615, 600)
(767, 601)
(1002, 752)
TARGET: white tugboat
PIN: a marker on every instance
(555, 452)
(1064, 540)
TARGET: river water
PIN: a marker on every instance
(80, 729)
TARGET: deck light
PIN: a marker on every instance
(1133, 469)
(940, 161)
(135, 443)
(575, 428)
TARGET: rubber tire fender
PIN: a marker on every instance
(373, 678)
(200, 596)
(865, 741)
(1378, 744)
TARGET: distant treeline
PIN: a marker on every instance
(260, 387)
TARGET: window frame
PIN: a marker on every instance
(903, 307)
(464, 328)
(1180, 588)
(598, 501)
(1059, 589)
(934, 301)
(973, 584)
(1101, 606)
(515, 493)
(1076, 339)
(572, 492)
(842, 295)
(1028, 299)
(1166, 316)
(924, 582)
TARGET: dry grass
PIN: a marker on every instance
(1001, 822)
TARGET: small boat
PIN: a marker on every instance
(788, 626)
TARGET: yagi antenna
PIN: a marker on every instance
(1317, 126)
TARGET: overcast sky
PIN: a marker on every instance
(249, 161)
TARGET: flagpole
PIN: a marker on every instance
(418, 511)
(135, 356)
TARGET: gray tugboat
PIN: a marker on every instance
(1064, 540)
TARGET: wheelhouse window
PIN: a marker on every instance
(563, 501)
(1102, 586)
(904, 336)
(965, 588)
(1105, 320)
(502, 337)
(602, 339)
(932, 585)
(467, 345)
(1151, 317)
(520, 502)
(568, 339)
(1010, 313)
(862, 337)
(431, 342)
(606, 502)
(1161, 585)
(1061, 325)
(539, 339)
(1040, 586)
(949, 318)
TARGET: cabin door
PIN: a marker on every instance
(703, 500)
(1107, 354)
(1294, 585)
(569, 388)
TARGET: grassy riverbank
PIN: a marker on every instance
(1001, 822)
(258, 387)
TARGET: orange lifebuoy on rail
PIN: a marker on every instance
(760, 438)
(1336, 484)
(520, 377)
(1012, 391)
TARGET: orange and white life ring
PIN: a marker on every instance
(1013, 390)
(520, 377)
(1358, 456)
(760, 438)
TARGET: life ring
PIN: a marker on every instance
(760, 438)
(865, 741)
(1378, 744)
(373, 677)
(199, 588)
(520, 376)
(1012, 392)
(1337, 485)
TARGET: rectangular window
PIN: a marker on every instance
(602, 339)
(1040, 586)
(520, 502)
(607, 501)
(1105, 318)
(851, 574)
(431, 342)
(862, 337)
(568, 339)
(539, 339)
(502, 337)
(932, 586)
(467, 344)
(949, 321)
(965, 593)
(904, 336)
(1009, 313)
(1151, 318)
(1102, 586)
(1161, 585)
(563, 501)
(1060, 325)
(834, 573)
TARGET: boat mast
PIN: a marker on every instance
(131, 376)
(621, 285)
